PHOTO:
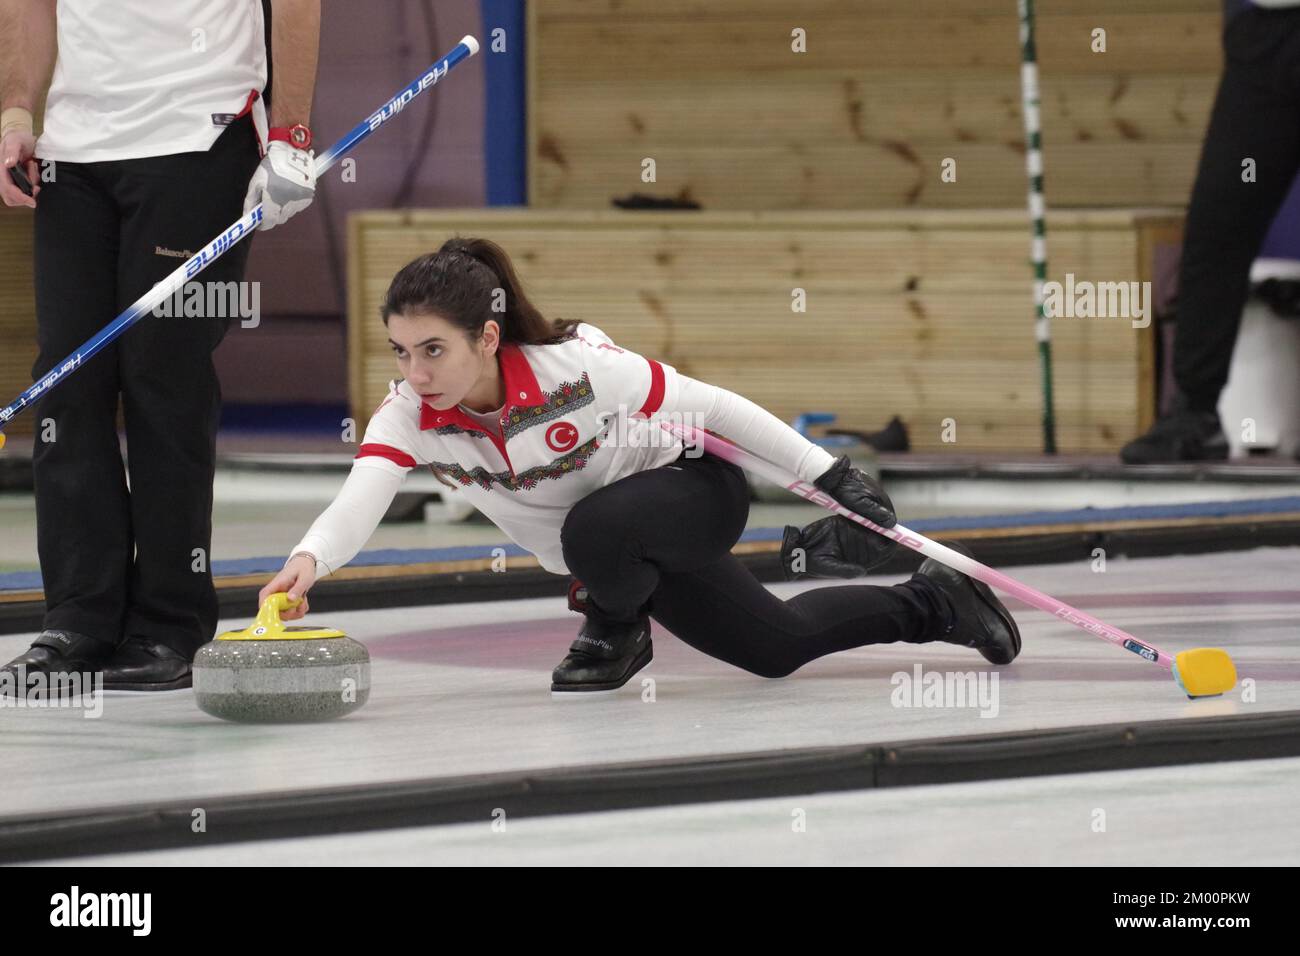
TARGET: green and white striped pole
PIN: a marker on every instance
(1037, 212)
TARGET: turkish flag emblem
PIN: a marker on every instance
(561, 436)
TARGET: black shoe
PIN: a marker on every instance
(1182, 435)
(893, 437)
(979, 619)
(605, 655)
(55, 652)
(142, 664)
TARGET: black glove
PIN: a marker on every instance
(859, 492)
(832, 547)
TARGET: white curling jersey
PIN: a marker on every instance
(137, 78)
(558, 442)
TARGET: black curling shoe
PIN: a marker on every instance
(55, 655)
(604, 655)
(1182, 435)
(979, 619)
(143, 665)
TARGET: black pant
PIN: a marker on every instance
(661, 539)
(1256, 116)
(115, 563)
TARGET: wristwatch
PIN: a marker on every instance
(296, 135)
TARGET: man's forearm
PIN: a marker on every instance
(27, 49)
(295, 42)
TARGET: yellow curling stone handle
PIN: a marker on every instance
(269, 627)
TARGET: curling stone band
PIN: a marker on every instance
(273, 673)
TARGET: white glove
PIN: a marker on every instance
(284, 183)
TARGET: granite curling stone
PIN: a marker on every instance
(274, 673)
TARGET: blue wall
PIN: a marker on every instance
(505, 120)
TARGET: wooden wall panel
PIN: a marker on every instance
(923, 313)
(17, 313)
(735, 120)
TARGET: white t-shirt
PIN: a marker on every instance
(564, 438)
(137, 78)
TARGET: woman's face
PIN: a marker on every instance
(441, 363)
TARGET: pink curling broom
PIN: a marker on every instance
(1200, 672)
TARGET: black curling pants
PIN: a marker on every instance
(1256, 115)
(118, 563)
(661, 539)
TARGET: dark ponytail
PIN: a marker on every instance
(460, 283)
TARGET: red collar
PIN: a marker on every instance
(521, 386)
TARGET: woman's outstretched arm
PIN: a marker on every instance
(347, 524)
(753, 427)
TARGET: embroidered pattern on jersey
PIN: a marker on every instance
(457, 430)
(567, 464)
(565, 399)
